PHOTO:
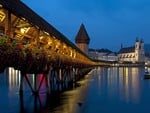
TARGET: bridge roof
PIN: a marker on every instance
(19, 9)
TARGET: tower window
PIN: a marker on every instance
(136, 46)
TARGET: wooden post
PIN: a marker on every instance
(21, 104)
(60, 74)
(35, 83)
(51, 79)
(60, 79)
(43, 76)
(29, 83)
(65, 78)
(8, 24)
(47, 84)
(76, 75)
(21, 83)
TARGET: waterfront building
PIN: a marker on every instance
(134, 54)
(103, 54)
(82, 39)
(93, 53)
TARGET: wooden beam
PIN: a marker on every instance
(8, 23)
(25, 35)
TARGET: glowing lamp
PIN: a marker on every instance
(41, 37)
(2, 16)
(49, 42)
(24, 30)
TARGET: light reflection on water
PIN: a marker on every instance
(118, 90)
(58, 102)
(127, 81)
(104, 90)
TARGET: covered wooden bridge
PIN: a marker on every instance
(30, 44)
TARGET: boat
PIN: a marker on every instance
(147, 75)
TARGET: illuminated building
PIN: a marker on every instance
(134, 54)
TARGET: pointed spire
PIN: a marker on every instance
(142, 41)
(121, 45)
(82, 36)
(137, 39)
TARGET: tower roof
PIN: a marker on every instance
(82, 36)
(137, 39)
(142, 41)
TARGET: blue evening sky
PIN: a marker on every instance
(108, 22)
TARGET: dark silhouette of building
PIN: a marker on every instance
(82, 39)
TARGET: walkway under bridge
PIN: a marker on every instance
(31, 45)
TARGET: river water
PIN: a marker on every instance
(103, 90)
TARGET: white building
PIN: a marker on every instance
(134, 54)
(103, 54)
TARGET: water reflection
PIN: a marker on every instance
(124, 81)
(57, 102)
(105, 90)
(118, 89)
(13, 78)
(129, 83)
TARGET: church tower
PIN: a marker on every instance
(142, 52)
(139, 50)
(82, 39)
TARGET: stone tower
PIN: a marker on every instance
(82, 39)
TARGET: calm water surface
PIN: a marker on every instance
(104, 90)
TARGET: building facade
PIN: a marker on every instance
(134, 54)
(103, 54)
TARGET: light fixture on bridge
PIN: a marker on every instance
(1, 5)
(57, 43)
(24, 30)
(64, 46)
(74, 56)
(2, 15)
(41, 37)
(71, 53)
(49, 42)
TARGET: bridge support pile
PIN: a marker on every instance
(58, 79)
